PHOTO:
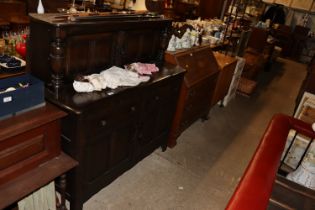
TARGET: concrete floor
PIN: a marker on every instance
(202, 171)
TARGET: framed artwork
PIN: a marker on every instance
(284, 2)
(307, 102)
(305, 112)
(297, 149)
(302, 4)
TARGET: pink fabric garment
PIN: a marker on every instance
(143, 68)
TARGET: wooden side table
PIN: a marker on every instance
(30, 155)
(227, 66)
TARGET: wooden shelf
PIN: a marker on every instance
(32, 180)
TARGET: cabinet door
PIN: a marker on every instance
(136, 48)
(110, 135)
(158, 112)
(88, 53)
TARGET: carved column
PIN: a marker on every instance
(57, 59)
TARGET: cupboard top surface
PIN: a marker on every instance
(59, 19)
(77, 103)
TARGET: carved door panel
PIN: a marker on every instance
(136, 48)
(159, 107)
(88, 53)
(109, 146)
(110, 153)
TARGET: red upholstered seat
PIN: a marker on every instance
(254, 189)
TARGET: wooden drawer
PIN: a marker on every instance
(198, 101)
(199, 65)
(33, 144)
(111, 113)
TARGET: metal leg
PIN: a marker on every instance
(305, 151)
(287, 151)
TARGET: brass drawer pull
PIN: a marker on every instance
(133, 108)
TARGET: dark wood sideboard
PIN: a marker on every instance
(197, 89)
(108, 131)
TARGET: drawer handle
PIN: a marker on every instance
(133, 108)
(157, 98)
(191, 54)
(103, 123)
(187, 66)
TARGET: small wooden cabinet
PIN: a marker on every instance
(34, 139)
(197, 89)
(227, 66)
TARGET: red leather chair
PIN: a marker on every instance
(255, 188)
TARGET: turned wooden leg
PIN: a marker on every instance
(62, 192)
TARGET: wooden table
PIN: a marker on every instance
(226, 66)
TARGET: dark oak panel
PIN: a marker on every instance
(107, 131)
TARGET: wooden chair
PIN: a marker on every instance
(283, 38)
(299, 37)
(260, 187)
(255, 53)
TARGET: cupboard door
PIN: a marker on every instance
(108, 156)
(136, 48)
(159, 107)
(88, 53)
(110, 135)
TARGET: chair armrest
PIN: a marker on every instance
(255, 187)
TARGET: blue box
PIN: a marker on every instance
(22, 98)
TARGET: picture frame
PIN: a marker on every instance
(305, 112)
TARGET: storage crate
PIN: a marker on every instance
(22, 98)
